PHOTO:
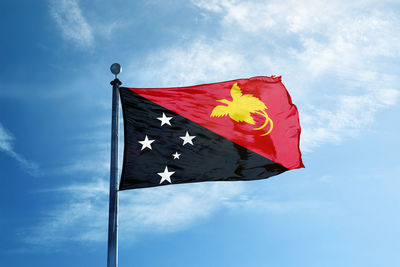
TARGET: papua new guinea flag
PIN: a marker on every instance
(243, 129)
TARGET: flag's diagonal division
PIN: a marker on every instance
(239, 130)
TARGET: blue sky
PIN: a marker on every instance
(338, 59)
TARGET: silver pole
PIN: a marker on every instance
(112, 256)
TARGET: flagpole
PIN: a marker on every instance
(112, 256)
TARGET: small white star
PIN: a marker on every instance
(165, 120)
(166, 175)
(176, 155)
(187, 138)
(146, 143)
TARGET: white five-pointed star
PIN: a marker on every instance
(146, 143)
(165, 120)
(176, 155)
(187, 138)
(166, 175)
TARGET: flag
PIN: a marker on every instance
(244, 129)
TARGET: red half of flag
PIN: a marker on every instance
(255, 113)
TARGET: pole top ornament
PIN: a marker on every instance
(116, 69)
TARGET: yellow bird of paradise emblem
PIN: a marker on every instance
(241, 107)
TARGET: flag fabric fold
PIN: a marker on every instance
(244, 129)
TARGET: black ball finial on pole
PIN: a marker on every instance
(116, 69)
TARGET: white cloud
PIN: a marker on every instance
(96, 165)
(166, 209)
(175, 207)
(198, 62)
(280, 17)
(82, 217)
(337, 58)
(68, 16)
(352, 114)
(6, 140)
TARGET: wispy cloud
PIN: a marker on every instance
(353, 113)
(336, 58)
(6, 140)
(166, 209)
(200, 61)
(74, 26)
(83, 216)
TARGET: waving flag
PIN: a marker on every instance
(245, 129)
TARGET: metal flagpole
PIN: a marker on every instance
(112, 256)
